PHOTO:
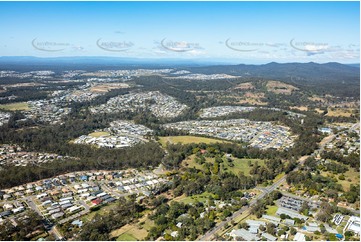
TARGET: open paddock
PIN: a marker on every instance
(22, 106)
(187, 140)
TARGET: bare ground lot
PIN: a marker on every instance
(280, 87)
(102, 88)
(301, 108)
(340, 112)
(244, 86)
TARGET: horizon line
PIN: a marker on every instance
(205, 59)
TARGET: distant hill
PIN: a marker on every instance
(336, 78)
(354, 65)
(290, 72)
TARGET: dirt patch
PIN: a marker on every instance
(102, 88)
(301, 108)
(318, 110)
(244, 86)
(340, 112)
(317, 99)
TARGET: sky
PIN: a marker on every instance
(249, 32)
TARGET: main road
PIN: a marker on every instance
(208, 236)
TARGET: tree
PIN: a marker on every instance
(325, 213)
(215, 168)
(243, 225)
(262, 228)
(305, 208)
(284, 216)
(271, 228)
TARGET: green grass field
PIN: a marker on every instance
(23, 106)
(126, 237)
(351, 177)
(240, 165)
(190, 162)
(271, 210)
(192, 199)
(98, 134)
(187, 140)
(133, 231)
(148, 224)
(103, 210)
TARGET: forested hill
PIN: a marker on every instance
(332, 78)
(291, 72)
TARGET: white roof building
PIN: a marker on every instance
(299, 237)
(244, 234)
(353, 224)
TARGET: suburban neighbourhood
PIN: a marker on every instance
(67, 197)
(13, 155)
(4, 118)
(220, 111)
(120, 134)
(162, 106)
(262, 135)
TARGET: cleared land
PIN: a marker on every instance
(301, 108)
(317, 99)
(108, 87)
(23, 106)
(129, 232)
(245, 86)
(340, 112)
(280, 87)
(187, 140)
(98, 134)
(318, 110)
